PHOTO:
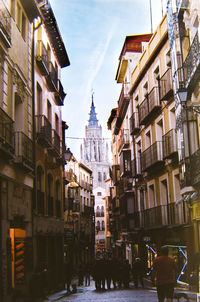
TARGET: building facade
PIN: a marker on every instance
(95, 154)
(16, 145)
(151, 210)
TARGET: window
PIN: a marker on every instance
(104, 176)
(98, 211)
(168, 59)
(156, 75)
(18, 16)
(98, 225)
(49, 111)
(99, 176)
(147, 139)
(23, 26)
(152, 201)
(164, 200)
(177, 194)
(98, 193)
(39, 100)
(56, 123)
(103, 225)
(102, 211)
(159, 130)
(145, 89)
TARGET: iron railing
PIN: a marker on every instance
(6, 130)
(166, 85)
(150, 104)
(23, 148)
(124, 138)
(56, 142)
(52, 78)
(152, 155)
(5, 24)
(43, 129)
(134, 123)
(42, 57)
(170, 143)
(192, 60)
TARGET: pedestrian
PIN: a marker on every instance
(108, 272)
(114, 271)
(126, 269)
(87, 274)
(165, 275)
(80, 274)
(68, 271)
(138, 272)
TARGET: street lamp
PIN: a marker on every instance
(68, 154)
(182, 95)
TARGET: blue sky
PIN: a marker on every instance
(94, 32)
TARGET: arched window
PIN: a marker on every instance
(98, 211)
(40, 191)
(50, 194)
(103, 225)
(102, 211)
(98, 226)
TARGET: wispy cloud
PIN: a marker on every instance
(97, 60)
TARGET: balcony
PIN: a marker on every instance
(52, 78)
(5, 25)
(115, 173)
(125, 163)
(124, 187)
(134, 123)
(58, 208)
(43, 131)
(150, 107)
(152, 157)
(23, 151)
(40, 202)
(136, 167)
(50, 205)
(124, 139)
(195, 168)
(123, 103)
(55, 143)
(170, 147)
(191, 65)
(165, 215)
(166, 86)
(6, 134)
(42, 58)
(60, 95)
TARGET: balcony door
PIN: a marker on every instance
(18, 113)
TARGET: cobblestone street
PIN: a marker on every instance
(117, 295)
(147, 294)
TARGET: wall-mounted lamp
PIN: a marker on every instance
(68, 154)
(182, 95)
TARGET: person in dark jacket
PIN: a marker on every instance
(68, 271)
(96, 274)
(126, 269)
(138, 272)
(108, 272)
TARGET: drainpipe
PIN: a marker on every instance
(33, 120)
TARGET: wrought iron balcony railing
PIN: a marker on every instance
(150, 106)
(152, 156)
(42, 58)
(23, 150)
(43, 131)
(170, 146)
(5, 25)
(6, 133)
(166, 85)
(134, 123)
(56, 142)
(192, 61)
(60, 95)
(124, 139)
(52, 78)
(123, 102)
(136, 167)
(195, 168)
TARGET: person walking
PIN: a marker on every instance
(138, 272)
(165, 275)
(68, 271)
(87, 274)
(126, 269)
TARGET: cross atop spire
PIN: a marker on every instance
(93, 116)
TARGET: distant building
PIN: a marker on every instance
(94, 153)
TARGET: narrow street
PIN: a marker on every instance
(117, 295)
(89, 294)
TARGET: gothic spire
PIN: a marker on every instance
(93, 116)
